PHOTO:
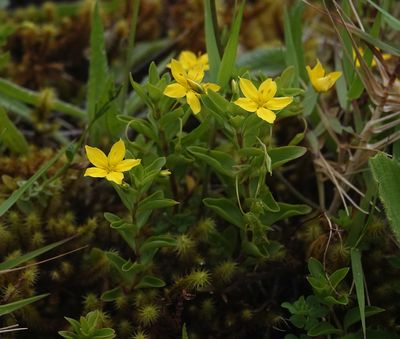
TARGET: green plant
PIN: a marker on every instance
(87, 327)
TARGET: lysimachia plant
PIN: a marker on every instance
(227, 152)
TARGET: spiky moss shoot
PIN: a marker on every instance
(56, 276)
(224, 272)
(274, 319)
(14, 219)
(185, 246)
(247, 314)
(121, 302)
(148, 314)
(91, 303)
(66, 268)
(33, 221)
(140, 334)
(376, 229)
(5, 239)
(49, 11)
(10, 293)
(13, 255)
(37, 240)
(207, 308)
(30, 275)
(339, 254)
(125, 328)
(204, 228)
(230, 320)
(310, 232)
(140, 299)
(105, 319)
(198, 279)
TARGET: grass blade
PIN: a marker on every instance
(358, 277)
(390, 19)
(386, 173)
(13, 91)
(98, 71)
(11, 307)
(13, 198)
(211, 31)
(227, 66)
(30, 255)
(11, 136)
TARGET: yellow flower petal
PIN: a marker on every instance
(266, 115)
(193, 101)
(318, 71)
(278, 103)
(247, 104)
(319, 80)
(188, 59)
(249, 90)
(267, 90)
(196, 73)
(117, 153)
(116, 177)
(126, 165)
(334, 76)
(178, 72)
(203, 59)
(175, 91)
(325, 83)
(96, 157)
(213, 87)
(95, 172)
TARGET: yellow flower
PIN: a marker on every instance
(322, 82)
(385, 56)
(262, 100)
(111, 167)
(188, 84)
(189, 60)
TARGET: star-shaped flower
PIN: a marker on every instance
(112, 166)
(189, 60)
(322, 82)
(262, 100)
(188, 84)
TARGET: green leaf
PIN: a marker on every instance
(282, 155)
(293, 41)
(11, 136)
(30, 255)
(227, 66)
(358, 277)
(337, 276)
(226, 209)
(13, 91)
(221, 162)
(14, 197)
(316, 268)
(149, 281)
(386, 173)
(155, 201)
(211, 31)
(184, 332)
(118, 263)
(156, 242)
(98, 70)
(390, 19)
(263, 59)
(113, 294)
(353, 316)
(11, 307)
(322, 328)
(285, 211)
